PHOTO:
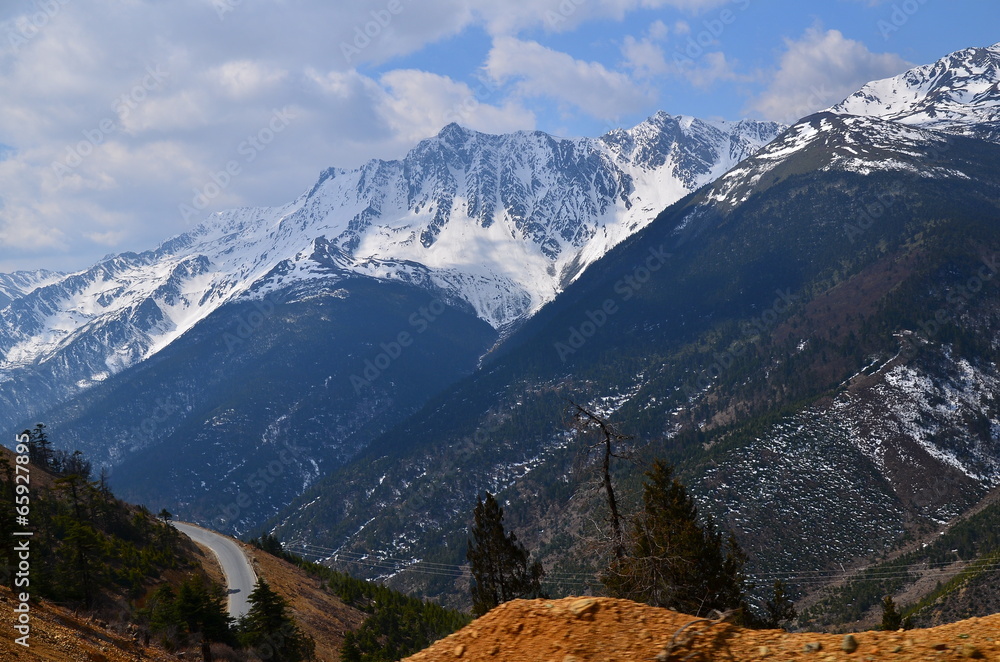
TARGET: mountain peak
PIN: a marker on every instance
(454, 133)
(499, 222)
(960, 93)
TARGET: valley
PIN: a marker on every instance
(801, 319)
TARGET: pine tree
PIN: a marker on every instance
(162, 609)
(891, 619)
(39, 448)
(499, 563)
(202, 609)
(271, 631)
(779, 608)
(674, 561)
(78, 569)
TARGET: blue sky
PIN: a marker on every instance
(125, 122)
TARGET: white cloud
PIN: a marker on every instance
(537, 71)
(647, 58)
(118, 113)
(419, 103)
(819, 70)
(243, 79)
(507, 18)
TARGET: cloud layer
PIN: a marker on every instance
(123, 122)
(819, 70)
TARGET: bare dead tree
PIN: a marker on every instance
(583, 420)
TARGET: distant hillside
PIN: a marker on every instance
(811, 339)
(99, 568)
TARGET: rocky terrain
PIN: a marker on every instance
(583, 629)
(59, 635)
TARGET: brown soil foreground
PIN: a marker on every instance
(606, 630)
(57, 635)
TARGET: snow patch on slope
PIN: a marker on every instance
(501, 223)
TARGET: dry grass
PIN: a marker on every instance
(320, 613)
(58, 635)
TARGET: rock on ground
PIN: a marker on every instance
(607, 630)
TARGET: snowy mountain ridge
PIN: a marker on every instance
(885, 125)
(20, 283)
(957, 94)
(501, 222)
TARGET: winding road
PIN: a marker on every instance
(239, 575)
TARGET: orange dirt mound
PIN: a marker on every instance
(606, 630)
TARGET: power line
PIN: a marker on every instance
(802, 577)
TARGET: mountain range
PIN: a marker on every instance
(808, 338)
(481, 230)
(802, 319)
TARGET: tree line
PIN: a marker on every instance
(397, 625)
(666, 555)
(122, 563)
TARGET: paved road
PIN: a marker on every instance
(239, 575)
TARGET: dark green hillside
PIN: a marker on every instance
(283, 389)
(88, 549)
(708, 335)
(954, 577)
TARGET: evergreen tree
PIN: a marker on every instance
(499, 563)
(196, 610)
(674, 561)
(78, 573)
(271, 631)
(202, 609)
(64, 463)
(162, 609)
(39, 448)
(891, 619)
(779, 608)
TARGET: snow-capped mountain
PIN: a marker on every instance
(20, 283)
(957, 94)
(887, 124)
(818, 357)
(499, 222)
